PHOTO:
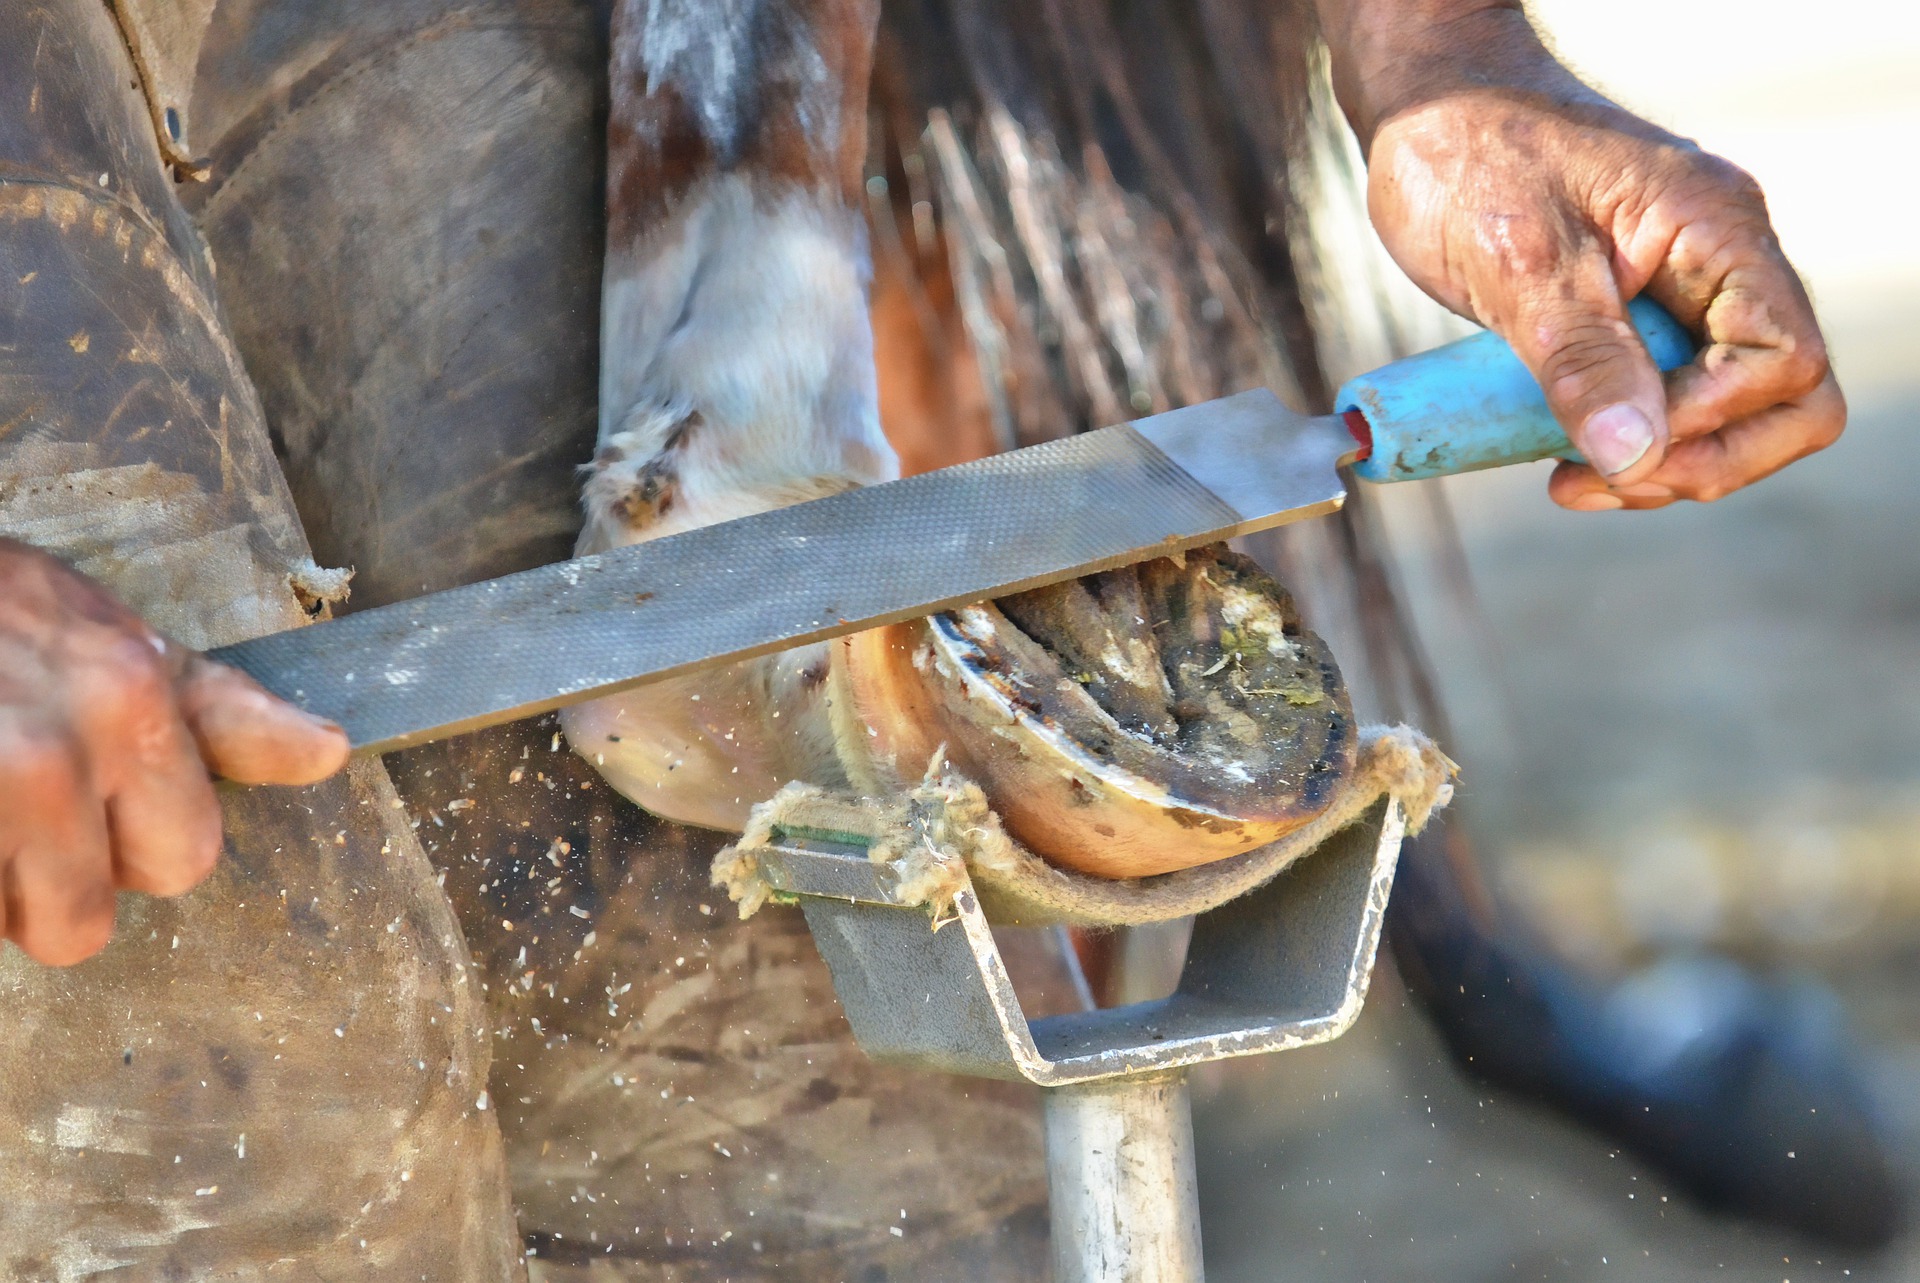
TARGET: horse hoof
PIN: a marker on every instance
(1125, 724)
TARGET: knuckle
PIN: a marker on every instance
(1826, 428)
(1804, 366)
(92, 923)
(171, 850)
(41, 765)
(1523, 248)
(69, 934)
(1711, 181)
(131, 674)
(1729, 179)
(192, 863)
(69, 947)
(131, 692)
(1581, 357)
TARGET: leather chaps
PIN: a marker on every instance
(286, 1073)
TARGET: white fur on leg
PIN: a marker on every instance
(736, 376)
(747, 309)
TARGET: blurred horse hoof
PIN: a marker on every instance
(1746, 1093)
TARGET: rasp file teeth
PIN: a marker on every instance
(512, 647)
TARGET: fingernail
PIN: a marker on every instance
(1617, 437)
(326, 724)
(1645, 490)
(1597, 501)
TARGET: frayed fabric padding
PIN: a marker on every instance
(941, 837)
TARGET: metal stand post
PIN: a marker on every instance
(1120, 1178)
(1283, 966)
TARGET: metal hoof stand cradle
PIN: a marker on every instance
(1285, 966)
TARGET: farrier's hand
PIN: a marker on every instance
(1522, 199)
(108, 736)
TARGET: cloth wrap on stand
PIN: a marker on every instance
(941, 837)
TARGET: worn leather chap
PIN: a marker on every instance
(404, 201)
(287, 1065)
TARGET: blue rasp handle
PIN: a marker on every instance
(1472, 405)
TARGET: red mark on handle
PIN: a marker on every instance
(1361, 431)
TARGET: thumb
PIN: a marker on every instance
(1576, 338)
(249, 736)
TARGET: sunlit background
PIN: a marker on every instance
(1698, 728)
(1706, 722)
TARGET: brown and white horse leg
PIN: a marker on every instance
(737, 369)
(738, 375)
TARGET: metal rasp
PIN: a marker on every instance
(508, 648)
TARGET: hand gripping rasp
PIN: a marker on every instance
(513, 647)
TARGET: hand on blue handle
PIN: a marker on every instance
(1472, 404)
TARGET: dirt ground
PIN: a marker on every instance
(1371, 1161)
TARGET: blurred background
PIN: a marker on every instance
(1698, 728)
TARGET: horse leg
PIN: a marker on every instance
(737, 369)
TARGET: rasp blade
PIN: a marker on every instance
(523, 644)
